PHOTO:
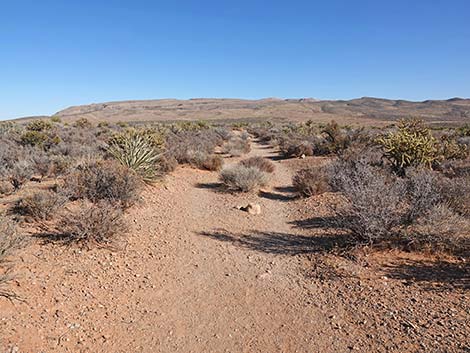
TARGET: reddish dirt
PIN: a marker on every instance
(196, 274)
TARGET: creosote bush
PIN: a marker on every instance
(259, 162)
(244, 179)
(311, 181)
(103, 180)
(92, 224)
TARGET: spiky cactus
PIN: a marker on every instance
(413, 144)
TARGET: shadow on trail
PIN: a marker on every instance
(276, 196)
(431, 275)
(278, 243)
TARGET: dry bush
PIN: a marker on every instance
(440, 228)
(9, 238)
(376, 201)
(166, 164)
(237, 146)
(21, 172)
(244, 179)
(202, 160)
(456, 194)
(183, 145)
(40, 206)
(311, 181)
(259, 162)
(295, 148)
(92, 224)
(424, 191)
(103, 180)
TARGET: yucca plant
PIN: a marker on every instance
(138, 152)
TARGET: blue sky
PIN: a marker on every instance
(60, 53)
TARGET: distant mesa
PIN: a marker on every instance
(365, 110)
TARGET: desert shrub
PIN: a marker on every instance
(184, 145)
(20, 173)
(336, 138)
(167, 164)
(440, 228)
(259, 162)
(311, 181)
(424, 191)
(137, 152)
(5, 188)
(455, 193)
(9, 238)
(450, 148)
(40, 206)
(83, 123)
(295, 148)
(412, 145)
(55, 119)
(103, 180)
(34, 138)
(237, 146)
(375, 201)
(39, 125)
(92, 224)
(244, 179)
(203, 160)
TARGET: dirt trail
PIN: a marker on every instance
(189, 280)
(196, 274)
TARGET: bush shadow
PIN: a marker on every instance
(436, 276)
(279, 243)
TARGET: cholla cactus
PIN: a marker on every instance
(138, 152)
(413, 144)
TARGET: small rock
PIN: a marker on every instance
(252, 208)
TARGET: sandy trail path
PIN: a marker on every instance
(197, 275)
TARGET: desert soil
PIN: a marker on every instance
(196, 274)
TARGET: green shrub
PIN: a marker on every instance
(34, 138)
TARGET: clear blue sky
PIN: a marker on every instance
(60, 53)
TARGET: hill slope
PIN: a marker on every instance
(360, 110)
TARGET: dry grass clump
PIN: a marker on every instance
(259, 162)
(311, 181)
(244, 179)
(103, 180)
(40, 206)
(92, 224)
